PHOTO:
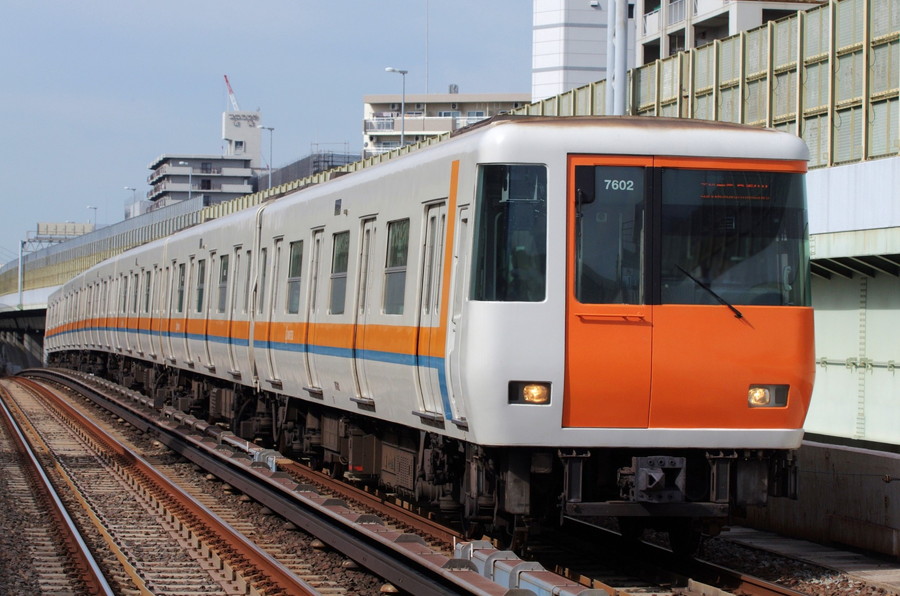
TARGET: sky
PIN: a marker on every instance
(93, 91)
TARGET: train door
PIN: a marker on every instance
(143, 332)
(460, 263)
(608, 325)
(175, 296)
(230, 303)
(204, 278)
(121, 325)
(88, 310)
(270, 307)
(312, 308)
(430, 345)
(162, 279)
(197, 327)
(104, 314)
(185, 312)
(367, 241)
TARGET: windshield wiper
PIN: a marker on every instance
(737, 313)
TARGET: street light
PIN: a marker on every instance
(271, 134)
(22, 271)
(190, 178)
(402, 73)
(95, 215)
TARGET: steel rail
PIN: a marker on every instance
(403, 559)
(232, 544)
(89, 569)
(427, 526)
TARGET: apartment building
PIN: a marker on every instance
(390, 121)
(666, 27)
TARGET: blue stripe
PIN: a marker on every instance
(369, 355)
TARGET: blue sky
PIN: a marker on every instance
(93, 91)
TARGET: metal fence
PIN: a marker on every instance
(830, 75)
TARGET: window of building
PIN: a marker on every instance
(205, 184)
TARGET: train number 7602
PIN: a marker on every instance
(619, 184)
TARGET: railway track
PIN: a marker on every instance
(419, 538)
(44, 544)
(162, 541)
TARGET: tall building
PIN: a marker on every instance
(241, 132)
(569, 44)
(216, 178)
(413, 117)
(180, 177)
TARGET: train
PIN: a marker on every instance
(538, 319)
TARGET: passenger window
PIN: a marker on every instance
(180, 295)
(247, 281)
(135, 292)
(510, 260)
(147, 280)
(295, 268)
(395, 267)
(223, 282)
(201, 283)
(124, 282)
(261, 288)
(339, 262)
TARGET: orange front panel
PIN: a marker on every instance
(705, 359)
(607, 366)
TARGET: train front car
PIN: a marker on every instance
(688, 333)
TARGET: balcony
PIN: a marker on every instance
(418, 125)
(650, 25)
(675, 13)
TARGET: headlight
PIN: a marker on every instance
(767, 396)
(529, 392)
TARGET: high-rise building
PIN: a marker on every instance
(569, 40)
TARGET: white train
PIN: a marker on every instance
(540, 316)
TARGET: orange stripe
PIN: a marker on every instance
(441, 330)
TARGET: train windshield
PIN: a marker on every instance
(736, 235)
(510, 260)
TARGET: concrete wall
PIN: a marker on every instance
(846, 495)
(19, 351)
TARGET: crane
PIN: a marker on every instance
(231, 96)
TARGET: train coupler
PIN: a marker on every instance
(654, 479)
